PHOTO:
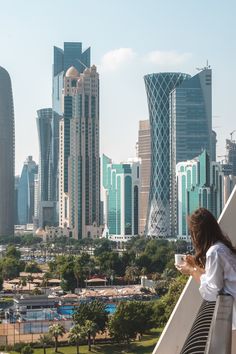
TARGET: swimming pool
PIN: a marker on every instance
(68, 310)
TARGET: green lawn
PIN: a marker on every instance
(145, 346)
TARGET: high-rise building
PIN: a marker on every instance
(70, 55)
(7, 155)
(46, 207)
(122, 199)
(214, 142)
(158, 88)
(231, 152)
(199, 184)
(26, 192)
(16, 220)
(190, 127)
(144, 154)
(79, 177)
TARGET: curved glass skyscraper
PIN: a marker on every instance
(158, 88)
(7, 150)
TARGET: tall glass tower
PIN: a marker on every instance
(158, 88)
(70, 55)
(7, 155)
(25, 198)
(190, 127)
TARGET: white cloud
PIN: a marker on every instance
(167, 58)
(114, 59)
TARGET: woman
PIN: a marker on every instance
(214, 263)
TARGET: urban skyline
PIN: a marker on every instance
(119, 54)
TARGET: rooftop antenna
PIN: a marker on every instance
(231, 135)
(205, 67)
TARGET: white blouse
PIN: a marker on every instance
(220, 273)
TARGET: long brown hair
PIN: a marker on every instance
(205, 232)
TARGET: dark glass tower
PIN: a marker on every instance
(7, 155)
(158, 88)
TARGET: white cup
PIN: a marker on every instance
(179, 259)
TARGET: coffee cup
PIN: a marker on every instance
(179, 259)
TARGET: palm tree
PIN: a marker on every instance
(76, 333)
(45, 340)
(131, 273)
(29, 279)
(56, 331)
(91, 330)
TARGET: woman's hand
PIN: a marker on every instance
(185, 268)
(189, 267)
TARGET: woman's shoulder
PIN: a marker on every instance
(218, 248)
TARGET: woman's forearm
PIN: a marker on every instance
(197, 272)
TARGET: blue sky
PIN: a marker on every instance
(129, 38)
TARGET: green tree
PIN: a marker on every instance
(12, 252)
(163, 308)
(27, 350)
(131, 318)
(94, 311)
(32, 267)
(77, 333)
(1, 282)
(91, 329)
(131, 274)
(9, 268)
(45, 340)
(56, 331)
(79, 273)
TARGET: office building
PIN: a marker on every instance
(158, 88)
(17, 180)
(231, 154)
(122, 199)
(46, 206)
(25, 200)
(200, 183)
(63, 59)
(144, 154)
(79, 177)
(7, 155)
(190, 127)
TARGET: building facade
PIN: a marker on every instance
(63, 59)
(46, 205)
(79, 178)
(231, 154)
(158, 88)
(200, 183)
(190, 127)
(122, 199)
(25, 198)
(144, 154)
(7, 155)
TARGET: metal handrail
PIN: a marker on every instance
(211, 332)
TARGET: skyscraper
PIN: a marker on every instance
(200, 184)
(231, 152)
(70, 55)
(158, 88)
(122, 199)
(79, 178)
(26, 192)
(144, 153)
(7, 155)
(46, 204)
(190, 127)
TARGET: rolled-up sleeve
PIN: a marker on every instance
(213, 280)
